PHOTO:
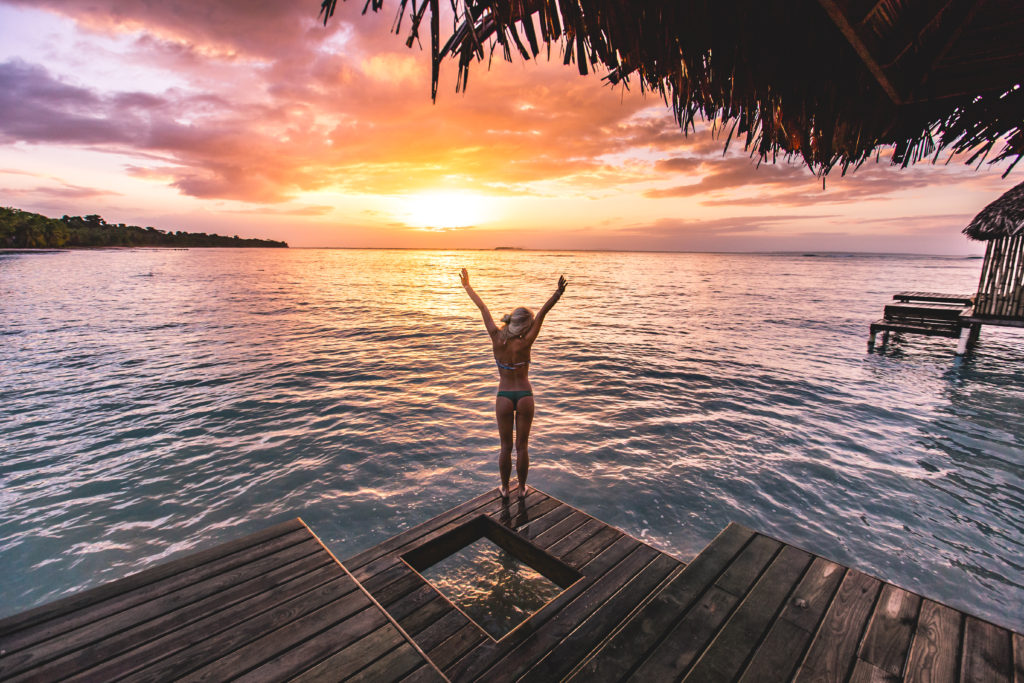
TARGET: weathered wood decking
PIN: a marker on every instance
(748, 608)
(930, 314)
(274, 605)
(277, 606)
(616, 574)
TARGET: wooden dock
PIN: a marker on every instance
(928, 313)
(274, 605)
(277, 606)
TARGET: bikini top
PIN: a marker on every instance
(513, 366)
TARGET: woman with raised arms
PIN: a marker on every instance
(513, 405)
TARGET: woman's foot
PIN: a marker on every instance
(503, 492)
(522, 491)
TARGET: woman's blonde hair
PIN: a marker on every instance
(516, 323)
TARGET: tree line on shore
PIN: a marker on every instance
(25, 230)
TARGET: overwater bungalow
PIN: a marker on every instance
(1000, 297)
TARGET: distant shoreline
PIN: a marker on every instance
(142, 247)
(21, 229)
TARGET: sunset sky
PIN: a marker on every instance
(251, 118)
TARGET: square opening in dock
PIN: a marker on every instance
(491, 575)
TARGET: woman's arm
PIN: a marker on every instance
(548, 305)
(488, 321)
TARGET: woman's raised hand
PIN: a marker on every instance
(562, 282)
(464, 276)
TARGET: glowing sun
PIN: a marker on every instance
(443, 210)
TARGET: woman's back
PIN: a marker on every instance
(514, 403)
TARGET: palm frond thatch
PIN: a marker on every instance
(831, 81)
(1002, 218)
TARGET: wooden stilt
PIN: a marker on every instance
(975, 334)
(961, 346)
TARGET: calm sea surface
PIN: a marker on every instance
(154, 402)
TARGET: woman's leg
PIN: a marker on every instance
(524, 420)
(505, 414)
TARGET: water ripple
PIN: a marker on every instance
(145, 417)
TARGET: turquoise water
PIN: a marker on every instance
(154, 402)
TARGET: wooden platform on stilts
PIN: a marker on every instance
(928, 313)
(277, 605)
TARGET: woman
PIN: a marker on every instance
(514, 403)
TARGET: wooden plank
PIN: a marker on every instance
(425, 616)
(935, 650)
(864, 672)
(537, 557)
(103, 629)
(964, 299)
(344, 649)
(931, 330)
(629, 645)
(1018, 658)
(573, 540)
(937, 312)
(830, 657)
(541, 524)
(681, 647)
(132, 591)
(140, 633)
(411, 602)
(396, 593)
(562, 529)
(724, 658)
(451, 541)
(778, 655)
(533, 512)
(987, 653)
(380, 572)
(198, 632)
(63, 607)
(405, 581)
(471, 666)
(391, 667)
(440, 630)
(279, 653)
(424, 674)
(886, 644)
(814, 594)
(252, 641)
(743, 572)
(981, 298)
(563, 656)
(456, 645)
(591, 547)
(534, 646)
(465, 510)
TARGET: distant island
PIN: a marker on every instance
(25, 230)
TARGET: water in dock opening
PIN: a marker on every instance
(492, 587)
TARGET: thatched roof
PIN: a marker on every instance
(1002, 218)
(828, 80)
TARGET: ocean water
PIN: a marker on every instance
(155, 402)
